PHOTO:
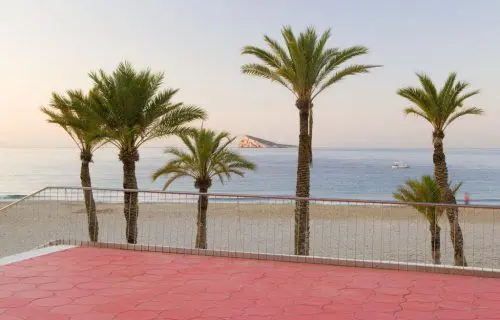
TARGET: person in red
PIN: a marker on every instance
(466, 198)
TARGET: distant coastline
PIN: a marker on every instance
(251, 142)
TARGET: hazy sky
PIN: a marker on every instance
(50, 46)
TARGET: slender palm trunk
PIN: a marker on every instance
(131, 203)
(435, 230)
(201, 234)
(93, 224)
(311, 120)
(441, 176)
(303, 182)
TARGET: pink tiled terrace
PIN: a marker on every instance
(95, 284)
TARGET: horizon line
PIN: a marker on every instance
(317, 147)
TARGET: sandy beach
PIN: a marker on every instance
(354, 232)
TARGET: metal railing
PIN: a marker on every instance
(342, 231)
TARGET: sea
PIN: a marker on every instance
(336, 173)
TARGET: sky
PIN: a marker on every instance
(51, 45)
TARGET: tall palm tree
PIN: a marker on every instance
(207, 157)
(73, 113)
(132, 110)
(441, 109)
(426, 190)
(306, 68)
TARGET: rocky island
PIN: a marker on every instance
(254, 142)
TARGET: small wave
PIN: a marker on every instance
(12, 196)
(487, 200)
(482, 201)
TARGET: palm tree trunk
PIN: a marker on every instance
(201, 234)
(131, 207)
(311, 120)
(435, 230)
(93, 224)
(441, 176)
(303, 181)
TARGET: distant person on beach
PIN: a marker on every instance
(466, 198)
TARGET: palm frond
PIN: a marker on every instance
(174, 168)
(72, 112)
(278, 50)
(132, 109)
(455, 188)
(173, 178)
(462, 98)
(461, 113)
(267, 57)
(174, 122)
(416, 112)
(448, 87)
(420, 99)
(262, 71)
(297, 56)
(428, 86)
(303, 63)
(424, 190)
(348, 71)
(207, 156)
(439, 108)
(319, 48)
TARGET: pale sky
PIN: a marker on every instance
(51, 45)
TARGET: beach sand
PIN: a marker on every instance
(354, 232)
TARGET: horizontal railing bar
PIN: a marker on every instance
(23, 198)
(373, 264)
(277, 197)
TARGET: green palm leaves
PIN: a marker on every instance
(73, 112)
(425, 191)
(208, 156)
(133, 109)
(443, 107)
(304, 66)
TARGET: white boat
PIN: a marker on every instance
(400, 165)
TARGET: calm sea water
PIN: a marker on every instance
(337, 173)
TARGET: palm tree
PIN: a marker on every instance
(306, 68)
(426, 191)
(441, 109)
(132, 110)
(73, 113)
(208, 157)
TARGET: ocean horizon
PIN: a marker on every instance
(346, 173)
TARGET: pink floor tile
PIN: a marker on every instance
(99, 284)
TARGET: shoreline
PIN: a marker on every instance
(256, 201)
